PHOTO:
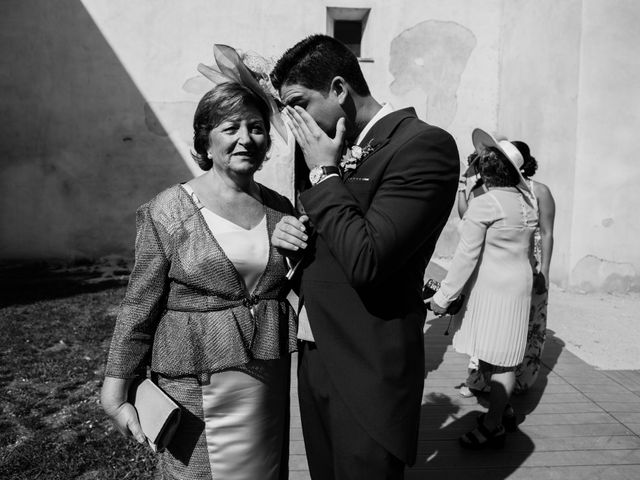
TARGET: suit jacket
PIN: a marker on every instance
(376, 229)
(186, 311)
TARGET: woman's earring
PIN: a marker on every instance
(209, 156)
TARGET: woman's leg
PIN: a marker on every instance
(502, 385)
(476, 381)
(490, 430)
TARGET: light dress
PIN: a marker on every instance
(245, 411)
(527, 372)
(492, 268)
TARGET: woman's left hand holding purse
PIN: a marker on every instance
(114, 399)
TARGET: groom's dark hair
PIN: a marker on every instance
(315, 61)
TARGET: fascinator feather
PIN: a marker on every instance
(231, 68)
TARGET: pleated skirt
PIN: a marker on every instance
(492, 326)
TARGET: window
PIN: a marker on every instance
(348, 26)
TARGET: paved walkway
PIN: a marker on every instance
(576, 423)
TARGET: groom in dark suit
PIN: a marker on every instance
(377, 212)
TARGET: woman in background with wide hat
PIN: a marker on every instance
(492, 266)
(541, 251)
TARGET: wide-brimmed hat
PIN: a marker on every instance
(483, 141)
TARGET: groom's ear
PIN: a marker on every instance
(340, 89)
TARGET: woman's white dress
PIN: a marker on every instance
(492, 268)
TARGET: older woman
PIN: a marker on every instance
(205, 308)
(492, 264)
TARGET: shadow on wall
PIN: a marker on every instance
(79, 152)
(427, 61)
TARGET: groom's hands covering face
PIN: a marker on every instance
(318, 148)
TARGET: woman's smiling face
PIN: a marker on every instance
(239, 144)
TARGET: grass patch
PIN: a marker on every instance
(52, 358)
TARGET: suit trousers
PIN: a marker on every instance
(337, 446)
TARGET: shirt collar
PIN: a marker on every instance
(383, 112)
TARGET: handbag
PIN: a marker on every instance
(429, 290)
(158, 414)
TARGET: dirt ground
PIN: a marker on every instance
(601, 329)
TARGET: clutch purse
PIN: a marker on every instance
(429, 290)
(159, 415)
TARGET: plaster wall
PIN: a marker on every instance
(175, 39)
(605, 222)
(538, 103)
(100, 96)
(570, 73)
(76, 153)
(444, 61)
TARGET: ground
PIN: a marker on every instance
(56, 327)
(599, 328)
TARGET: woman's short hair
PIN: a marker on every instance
(530, 165)
(218, 104)
(496, 170)
(315, 61)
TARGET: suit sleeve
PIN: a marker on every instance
(480, 215)
(411, 203)
(144, 302)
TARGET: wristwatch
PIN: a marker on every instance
(317, 173)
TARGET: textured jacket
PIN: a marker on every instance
(185, 311)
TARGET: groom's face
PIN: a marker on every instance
(324, 109)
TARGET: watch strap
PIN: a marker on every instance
(319, 173)
(329, 169)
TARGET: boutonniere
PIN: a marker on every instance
(355, 156)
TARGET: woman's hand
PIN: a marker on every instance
(122, 413)
(435, 308)
(290, 235)
(318, 148)
(125, 418)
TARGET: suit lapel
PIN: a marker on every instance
(380, 133)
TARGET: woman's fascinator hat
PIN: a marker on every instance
(483, 141)
(252, 71)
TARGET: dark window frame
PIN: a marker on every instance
(341, 17)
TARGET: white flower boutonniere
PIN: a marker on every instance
(355, 156)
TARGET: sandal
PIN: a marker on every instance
(509, 419)
(480, 437)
